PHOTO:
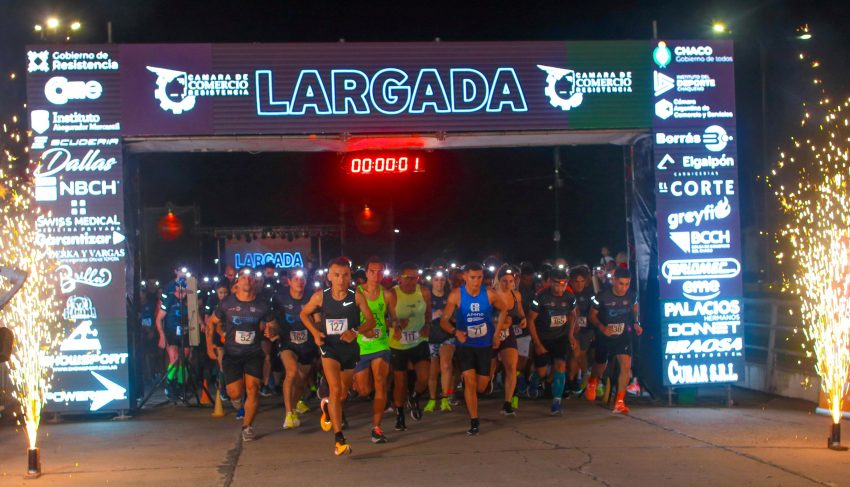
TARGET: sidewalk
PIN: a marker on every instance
(764, 441)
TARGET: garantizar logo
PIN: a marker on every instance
(566, 88)
(177, 91)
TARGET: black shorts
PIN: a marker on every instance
(172, 336)
(474, 358)
(305, 353)
(400, 358)
(607, 347)
(347, 354)
(237, 367)
(509, 342)
(585, 338)
(556, 349)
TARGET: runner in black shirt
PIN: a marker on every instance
(585, 333)
(241, 319)
(615, 315)
(336, 336)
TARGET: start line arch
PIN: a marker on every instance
(672, 103)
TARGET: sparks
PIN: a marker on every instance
(33, 313)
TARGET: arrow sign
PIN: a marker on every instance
(113, 392)
(664, 161)
(117, 238)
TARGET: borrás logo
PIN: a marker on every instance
(566, 88)
(722, 268)
(715, 138)
(177, 91)
(710, 212)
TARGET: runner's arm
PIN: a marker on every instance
(451, 304)
(307, 311)
(426, 295)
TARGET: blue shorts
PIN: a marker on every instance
(366, 360)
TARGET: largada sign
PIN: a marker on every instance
(85, 100)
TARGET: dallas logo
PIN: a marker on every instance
(566, 88)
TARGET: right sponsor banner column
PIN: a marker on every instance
(697, 205)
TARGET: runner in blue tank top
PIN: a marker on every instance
(476, 334)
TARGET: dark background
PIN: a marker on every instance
(470, 203)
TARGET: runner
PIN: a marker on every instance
(336, 336)
(241, 319)
(171, 323)
(411, 319)
(525, 286)
(507, 352)
(614, 312)
(441, 345)
(214, 345)
(476, 334)
(585, 335)
(551, 323)
(295, 349)
(373, 368)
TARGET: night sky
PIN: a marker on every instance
(470, 203)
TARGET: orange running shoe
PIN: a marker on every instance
(620, 408)
(590, 392)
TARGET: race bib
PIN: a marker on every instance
(298, 337)
(503, 335)
(409, 337)
(557, 321)
(244, 337)
(337, 326)
(178, 331)
(146, 322)
(379, 332)
(477, 331)
(617, 328)
(581, 321)
(517, 330)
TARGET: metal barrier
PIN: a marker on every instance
(774, 342)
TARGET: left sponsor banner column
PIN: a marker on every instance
(74, 108)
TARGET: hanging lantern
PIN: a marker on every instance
(367, 221)
(170, 227)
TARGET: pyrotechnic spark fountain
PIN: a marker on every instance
(810, 181)
(33, 314)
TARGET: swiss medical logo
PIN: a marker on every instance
(177, 91)
(566, 88)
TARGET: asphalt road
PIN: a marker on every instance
(761, 441)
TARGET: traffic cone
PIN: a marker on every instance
(205, 398)
(218, 411)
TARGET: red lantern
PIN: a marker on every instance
(367, 221)
(170, 227)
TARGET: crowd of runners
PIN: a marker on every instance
(413, 342)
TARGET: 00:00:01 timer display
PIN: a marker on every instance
(385, 165)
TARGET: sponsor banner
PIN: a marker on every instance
(697, 212)
(282, 252)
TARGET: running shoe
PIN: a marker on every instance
(521, 384)
(578, 388)
(556, 407)
(430, 406)
(508, 410)
(378, 435)
(515, 403)
(590, 392)
(533, 391)
(600, 389)
(445, 404)
(325, 421)
(342, 448)
(248, 433)
(291, 421)
(265, 391)
(633, 389)
(473, 430)
(302, 407)
(620, 408)
(413, 404)
(240, 413)
(399, 423)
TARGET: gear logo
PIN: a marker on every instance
(178, 101)
(566, 78)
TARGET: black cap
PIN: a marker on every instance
(558, 274)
